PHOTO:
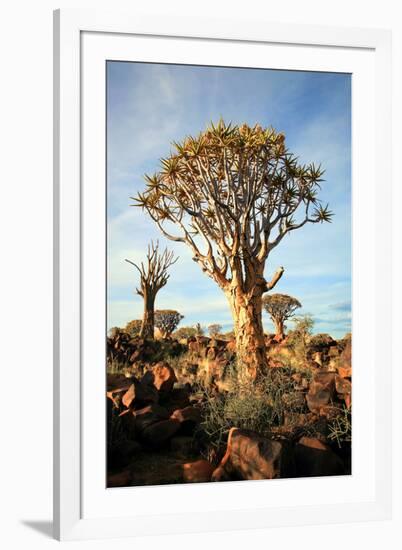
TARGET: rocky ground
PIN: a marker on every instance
(174, 414)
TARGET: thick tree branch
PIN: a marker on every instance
(277, 275)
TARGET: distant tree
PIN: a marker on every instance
(114, 331)
(167, 320)
(153, 276)
(133, 328)
(214, 330)
(239, 191)
(185, 332)
(280, 307)
(199, 330)
(300, 336)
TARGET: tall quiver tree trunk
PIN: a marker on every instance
(249, 332)
(279, 330)
(148, 319)
(153, 276)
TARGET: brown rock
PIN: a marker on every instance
(321, 391)
(348, 400)
(199, 471)
(342, 385)
(250, 456)
(116, 395)
(121, 479)
(149, 415)
(317, 398)
(156, 435)
(211, 354)
(116, 381)
(182, 444)
(139, 393)
(231, 346)
(188, 414)
(121, 453)
(315, 459)
(178, 398)
(161, 376)
(345, 372)
(325, 379)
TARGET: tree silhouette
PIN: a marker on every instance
(153, 276)
(280, 307)
(231, 194)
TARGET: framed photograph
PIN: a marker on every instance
(222, 261)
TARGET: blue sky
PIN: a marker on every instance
(151, 105)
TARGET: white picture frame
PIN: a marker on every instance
(83, 507)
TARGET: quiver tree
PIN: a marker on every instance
(280, 307)
(231, 194)
(167, 320)
(214, 330)
(153, 276)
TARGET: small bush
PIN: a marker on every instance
(247, 405)
(298, 339)
(185, 332)
(133, 328)
(340, 428)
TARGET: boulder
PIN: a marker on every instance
(251, 456)
(120, 479)
(231, 347)
(149, 415)
(325, 379)
(188, 414)
(315, 459)
(345, 372)
(348, 400)
(317, 397)
(139, 393)
(156, 435)
(342, 385)
(318, 342)
(178, 398)
(321, 390)
(121, 453)
(199, 471)
(212, 353)
(182, 444)
(161, 376)
(117, 394)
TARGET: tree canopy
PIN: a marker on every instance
(231, 194)
(167, 320)
(280, 306)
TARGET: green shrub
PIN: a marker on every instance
(340, 428)
(299, 337)
(133, 328)
(247, 405)
(185, 332)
